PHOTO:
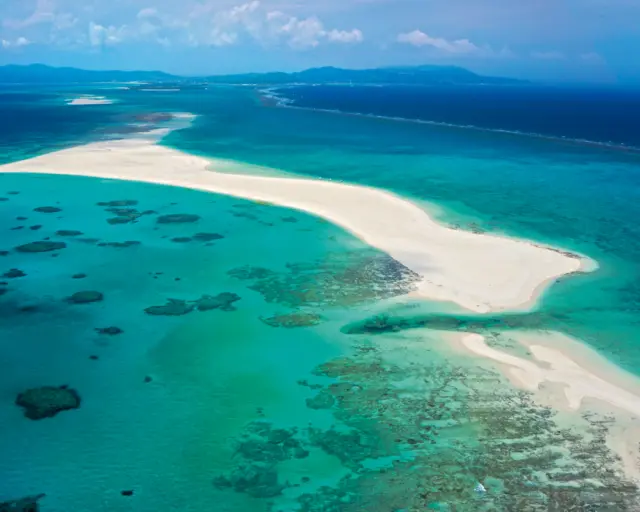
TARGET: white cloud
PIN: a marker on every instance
(592, 58)
(149, 12)
(271, 27)
(550, 55)
(303, 33)
(17, 43)
(458, 46)
(105, 36)
(343, 36)
(187, 22)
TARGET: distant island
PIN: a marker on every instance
(416, 75)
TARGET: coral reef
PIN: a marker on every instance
(173, 307)
(119, 203)
(69, 232)
(47, 401)
(14, 273)
(342, 279)
(119, 220)
(110, 331)
(120, 245)
(207, 237)
(28, 504)
(41, 246)
(259, 451)
(47, 209)
(293, 320)
(223, 301)
(85, 297)
(176, 307)
(178, 218)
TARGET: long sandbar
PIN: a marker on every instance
(479, 272)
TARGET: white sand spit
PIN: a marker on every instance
(578, 381)
(90, 100)
(479, 272)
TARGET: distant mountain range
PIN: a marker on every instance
(38, 73)
(391, 75)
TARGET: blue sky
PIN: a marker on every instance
(567, 40)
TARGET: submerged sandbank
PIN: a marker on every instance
(480, 272)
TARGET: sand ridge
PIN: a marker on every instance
(479, 272)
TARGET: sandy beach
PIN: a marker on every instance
(479, 272)
(90, 100)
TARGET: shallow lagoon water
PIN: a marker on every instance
(185, 410)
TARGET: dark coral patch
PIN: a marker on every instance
(119, 202)
(47, 401)
(178, 218)
(293, 320)
(14, 273)
(119, 220)
(110, 331)
(41, 246)
(207, 237)
(85, 297)
(28, 504)
(68, 232)
(173, 307)
(223, 301)
(47, 209)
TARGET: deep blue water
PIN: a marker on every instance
(604, 115)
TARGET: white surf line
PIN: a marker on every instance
(480, 272)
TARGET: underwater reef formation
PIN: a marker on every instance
(341, 279)
(27, 504)
(207, 237)
(110, 331)
(47, 209)
(85, 297)
(69, 232)
(384, 323)
(41, 246)
(457, 427)
(177, 307)
(120, 245)
(14, 273)
(173, 307)
(118, 203)
(178, 218)
(223, 301)
(293, 320)
(259, 451)
(47, 401)
(126, 215)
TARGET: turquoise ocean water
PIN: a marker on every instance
(277, 403)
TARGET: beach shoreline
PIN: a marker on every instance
(479, 272)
